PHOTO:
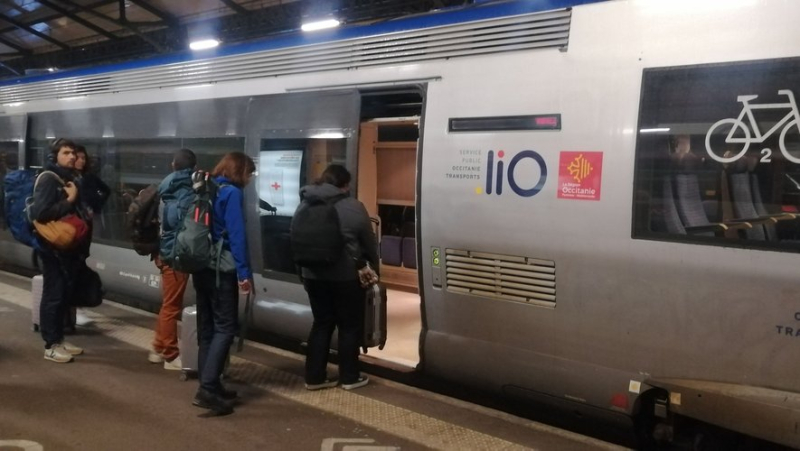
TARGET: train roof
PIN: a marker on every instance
(475, 12)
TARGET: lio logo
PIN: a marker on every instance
(497, 173)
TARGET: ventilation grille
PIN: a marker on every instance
(506, 277)
(523, 32)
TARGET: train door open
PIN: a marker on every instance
(387, 174)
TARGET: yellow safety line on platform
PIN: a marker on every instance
(412, 426)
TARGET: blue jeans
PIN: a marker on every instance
(217, 324)
(58, 274)
(335, 305)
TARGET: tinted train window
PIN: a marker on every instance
(128, 166)
(284, 166)
(718, 155)
(9, 161)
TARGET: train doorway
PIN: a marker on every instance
(387, 180)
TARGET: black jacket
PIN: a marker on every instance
(49, 197)
(93, 192)
(357, 230)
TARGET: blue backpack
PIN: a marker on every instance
(18, 187)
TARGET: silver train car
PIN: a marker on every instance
(592, 204)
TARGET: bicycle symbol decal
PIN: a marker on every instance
(740, 129)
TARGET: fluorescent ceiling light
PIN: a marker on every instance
(320, 25)
(72, 98)
(203, 44)
(51, 69)
(13, 104)
(654, 130)
(328, 135)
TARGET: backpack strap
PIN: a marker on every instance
(39, 177)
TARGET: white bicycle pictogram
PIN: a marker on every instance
(791, 119)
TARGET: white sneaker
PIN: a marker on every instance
(173, 365)
(154, 357)
(81, 319)
(57, 354)
(70, 348)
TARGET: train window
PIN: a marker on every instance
(9, 159)
(129, 165)
(284, 166)
(718, 155)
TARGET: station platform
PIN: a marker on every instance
(112, 398)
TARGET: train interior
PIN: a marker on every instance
(704, 175)
(387, 167)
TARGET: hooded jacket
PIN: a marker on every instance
(176, 195)
(354, 223)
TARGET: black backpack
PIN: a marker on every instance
(142, 221)
(316, 234)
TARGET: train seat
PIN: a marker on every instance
(391, 250)
(743, 208)
(410, 252)
(691, 211)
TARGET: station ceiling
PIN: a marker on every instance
(38, 36)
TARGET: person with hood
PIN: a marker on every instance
(218, 292)
(176, 195)
(54, 197)
(336, 291)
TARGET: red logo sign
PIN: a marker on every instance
(579, 175)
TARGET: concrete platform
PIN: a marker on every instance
(112, 398)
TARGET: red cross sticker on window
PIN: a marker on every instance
(276, 186)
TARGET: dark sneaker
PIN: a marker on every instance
(228, 395)
(362, 381)
(207, 400)
(329, 383)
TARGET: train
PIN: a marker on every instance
(589, 204)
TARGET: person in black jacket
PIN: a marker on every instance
(53, 198)
(336, 292)
(93, 194)
(93, 191)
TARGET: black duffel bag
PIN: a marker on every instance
(88, 291)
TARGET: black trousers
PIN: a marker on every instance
(58, 272)
(335, 305)
(217, 324)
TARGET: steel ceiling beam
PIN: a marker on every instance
(50, 17)
(20, 49)
(166, 17)
(235, 6)
(128, 26)
(33, 31)
(75, 18)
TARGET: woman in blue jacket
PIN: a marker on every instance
(218, 302)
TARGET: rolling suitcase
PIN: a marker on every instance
(375, 318)
(188, 343)
(37, 286)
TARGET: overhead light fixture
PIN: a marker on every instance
(327, 135)
(13, 104)
(203, 44)
(51, 69)
(654, 130)
(320, 25)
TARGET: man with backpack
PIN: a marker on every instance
(55, 197)
(332, 242)
(176, 195)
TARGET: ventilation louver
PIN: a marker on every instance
(522, 32)
(507, 277)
